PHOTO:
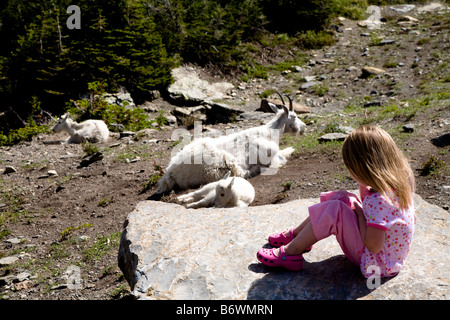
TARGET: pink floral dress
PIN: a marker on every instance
(384, 213)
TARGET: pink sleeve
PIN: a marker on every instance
(377, 226)
(379, 213)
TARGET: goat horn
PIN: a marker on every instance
(291, 105)
(282, 100)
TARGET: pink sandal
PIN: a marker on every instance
(268, 258)
(279, 239)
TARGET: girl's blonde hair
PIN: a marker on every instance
(373, 157)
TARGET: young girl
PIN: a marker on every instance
(376, 234)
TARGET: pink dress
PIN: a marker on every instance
(384, 213)
(334, 216)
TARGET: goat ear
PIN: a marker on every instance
(65, 116)
(231, 183)
(273, 107)
(226, 175)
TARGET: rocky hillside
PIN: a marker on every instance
(62, 211)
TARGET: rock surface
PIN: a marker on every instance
(169, 252)
(189, 89)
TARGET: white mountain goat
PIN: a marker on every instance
(245, 153)
(225, 193)
(89, 130)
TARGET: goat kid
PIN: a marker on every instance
(225, 193)
(89, 130)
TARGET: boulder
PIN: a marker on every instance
(434, 6)
(189, 89)
(403, 8)
(197, 113)
(441, 141)
(220, 112)
(122, 99)
(169, 252)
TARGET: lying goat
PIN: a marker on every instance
(225, 193)
(89, 130)
(246, 153)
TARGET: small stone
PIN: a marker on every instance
(52, 173)
(8, 261)
(9, 169)
(24, 285)
(383, 42)
(7, 280)
(408, 128)
(91, 159)
(125, 134)
(308, 85)
(335, 136)
(309, 78)
(371, 71)
(59, 287)
(81, 238)
(372, 104)
(13, 240)
(408, 18)
(22, 277)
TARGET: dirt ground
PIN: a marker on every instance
(75, 218)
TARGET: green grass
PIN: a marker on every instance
(434, 166)
(310, 142)
(21, 134)
(68, 231)
(11, 196)
(101, 246)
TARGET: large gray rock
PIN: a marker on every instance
(189, 89)
(169, 252)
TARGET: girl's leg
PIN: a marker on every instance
(300, 227)
(327, 218)
(304, 239)
(279, 239)
(334, 217)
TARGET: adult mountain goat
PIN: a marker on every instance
(89, 130)
(245, 153)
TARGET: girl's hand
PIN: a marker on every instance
(359, 211)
